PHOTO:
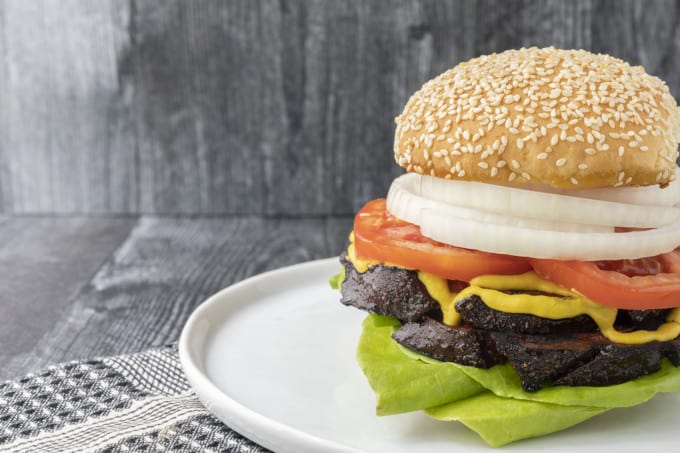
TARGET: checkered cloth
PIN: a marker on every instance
(137, 402)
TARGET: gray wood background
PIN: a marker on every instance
(272, 107)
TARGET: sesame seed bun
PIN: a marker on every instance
(566, 118)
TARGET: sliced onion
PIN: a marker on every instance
(494, 219)
(403, 202)
(643, 196)
(519, 241)
(540, 205)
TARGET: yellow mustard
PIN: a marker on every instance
(556, 303)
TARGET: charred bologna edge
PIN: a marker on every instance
(464, 345)
(580, 359)
(389, 291)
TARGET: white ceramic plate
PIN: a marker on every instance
(273, 357)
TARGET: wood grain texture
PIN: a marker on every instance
(142, 296)
(272, 107)
(44, 262)
(65, 143)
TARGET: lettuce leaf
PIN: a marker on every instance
(399, 381)
(490, 402)
(500, 421)
(336, 280)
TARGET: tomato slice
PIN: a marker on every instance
(614, 288)
(380, 236)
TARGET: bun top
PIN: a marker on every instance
(566, 118)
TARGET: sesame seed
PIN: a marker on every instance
(574, 181)
(515, 164)
(542, 156)
(512, 176)
(567, 91)
(461, 173)
(501, 164)
(561, 162)
(582, 166)
(494, 172)
(483, 165)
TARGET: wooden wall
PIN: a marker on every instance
(271, 107)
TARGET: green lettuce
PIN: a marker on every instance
(490, 402)
(336, 280)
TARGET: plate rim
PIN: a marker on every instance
(244, 420)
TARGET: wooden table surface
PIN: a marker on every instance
(77, 286)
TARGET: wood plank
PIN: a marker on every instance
(65, 141)
(505, 25)
(206, 104)
(44, 262)
(143, 295)
(307, 108)
(646, 33)
(242, 107)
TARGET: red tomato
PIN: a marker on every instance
(380, 236)
(616, 289)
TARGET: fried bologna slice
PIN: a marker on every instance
(476, 313)
(389, 291)
(539, 360)
(464, 344)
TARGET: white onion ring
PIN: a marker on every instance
(643, 195)
(517, 241)
(405, 204)
(550, 236)
(540, 205)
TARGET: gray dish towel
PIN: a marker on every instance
(135, 402)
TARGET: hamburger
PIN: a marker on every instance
(522, 275)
